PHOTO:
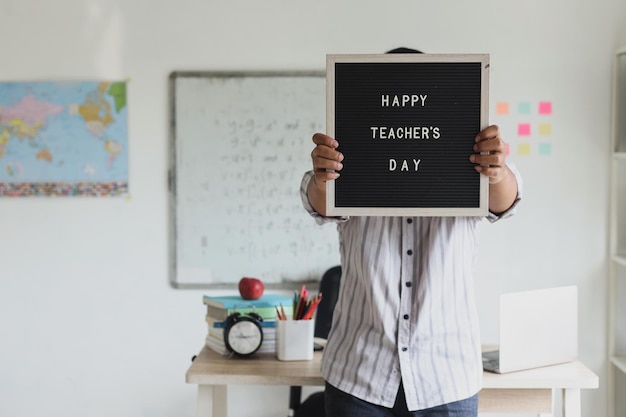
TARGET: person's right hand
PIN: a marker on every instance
(326, 160)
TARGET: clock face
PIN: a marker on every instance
(245, 337)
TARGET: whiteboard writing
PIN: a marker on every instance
(241, 144)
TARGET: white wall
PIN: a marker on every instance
(88, 323)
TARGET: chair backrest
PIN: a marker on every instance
(329, 287)
(313, 406)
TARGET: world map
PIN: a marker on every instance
(63, 139)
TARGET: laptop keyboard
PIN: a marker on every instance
(491, 361)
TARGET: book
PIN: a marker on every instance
(216, 344)
(221, 324)
(236, 301)
(221, 314)
(220, 307)
(269, 333)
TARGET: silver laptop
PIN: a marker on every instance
(537, 328)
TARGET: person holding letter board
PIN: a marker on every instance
(405, 339)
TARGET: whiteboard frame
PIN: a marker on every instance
(331, 59)
(174, 280)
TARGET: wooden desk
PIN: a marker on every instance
(518, 392)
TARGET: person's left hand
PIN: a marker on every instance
(490, 155)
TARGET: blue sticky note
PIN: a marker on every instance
(545, 148)
(523, 107)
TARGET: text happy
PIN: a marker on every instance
(403, 100)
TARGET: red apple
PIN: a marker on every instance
(251, 288)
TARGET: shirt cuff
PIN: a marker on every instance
(492, 217)
(319, 219)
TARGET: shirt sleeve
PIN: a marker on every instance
(319, 219)
(492, 217)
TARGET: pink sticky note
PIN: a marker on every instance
(502, 107)
(523, 129)
(545, 107)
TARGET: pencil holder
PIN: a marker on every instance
(294, 340)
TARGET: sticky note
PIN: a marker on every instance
(545, 129)
(508, 149)
(523, 129)
(502, 107)
(523, 107)
(523, 149)
(545, 107)
(545, 149)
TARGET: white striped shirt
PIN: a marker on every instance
(406, 309)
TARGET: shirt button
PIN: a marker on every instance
(408, 284)
(406, 316)
(409, 252)
(409, 221)
(404, 349)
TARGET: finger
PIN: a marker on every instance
(491, 172)
(496, 159)
(488, 133)
(491, 145)
(326, 158)
(323, 164)
(322, 139)
(322, 176)
(323, 151)
(324, 155)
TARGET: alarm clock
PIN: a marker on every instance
(243, 334)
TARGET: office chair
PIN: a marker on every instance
(313, 405)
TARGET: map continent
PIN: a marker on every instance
(63, 139)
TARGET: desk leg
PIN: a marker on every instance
(552, 405)
(571, 402)
(212, 401)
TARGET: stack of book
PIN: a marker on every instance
(220, 307)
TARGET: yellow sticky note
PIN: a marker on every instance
(523, 149)
(545, 129)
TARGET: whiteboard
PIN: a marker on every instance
(240, 143)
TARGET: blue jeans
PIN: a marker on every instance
(341, 404)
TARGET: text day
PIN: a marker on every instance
(404, 164)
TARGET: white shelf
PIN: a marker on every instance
(620, 259)
(617, 235)
(619, 362)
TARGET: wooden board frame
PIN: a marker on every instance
(376, 70)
